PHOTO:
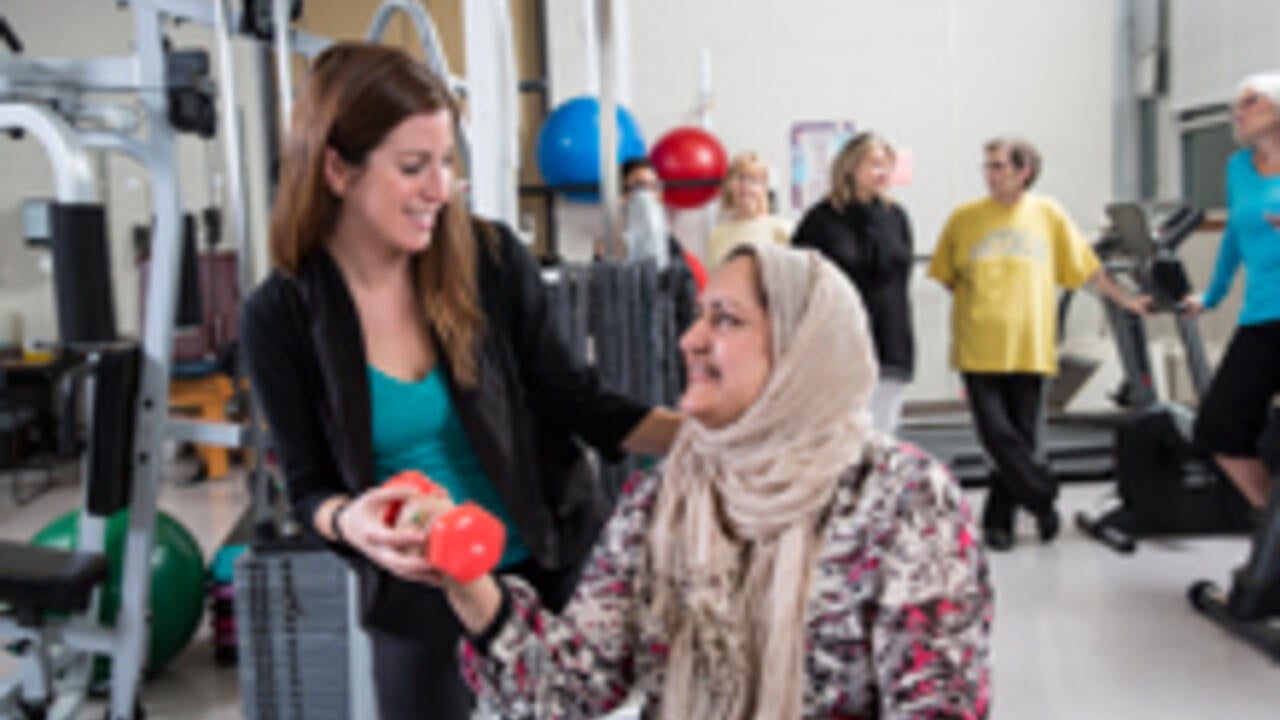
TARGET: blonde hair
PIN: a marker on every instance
(844, 169)
(747, 163)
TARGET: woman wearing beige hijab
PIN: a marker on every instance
(784, 562)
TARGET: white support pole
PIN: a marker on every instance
(704, 88)
(590, 31)
(493, 106)
(606, 31)
(284, 61)
(153, 401)
(509, 93)
(622, 50)
(1124, 104)
(237, 197)
(705, 101)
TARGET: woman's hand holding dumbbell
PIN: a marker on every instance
(396, 549)
(463, 543)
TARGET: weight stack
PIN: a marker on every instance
(291, 624)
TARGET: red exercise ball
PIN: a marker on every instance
(689, 153)
(696, 268)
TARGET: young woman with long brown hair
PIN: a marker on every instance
(398, 332)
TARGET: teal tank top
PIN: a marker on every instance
(415, 427)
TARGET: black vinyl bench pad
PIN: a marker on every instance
(43, 579)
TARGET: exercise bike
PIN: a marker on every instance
(1250, 609)
(1166, 485)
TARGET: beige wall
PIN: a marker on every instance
(349, 20)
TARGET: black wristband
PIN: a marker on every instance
(335, 528)
(482, 640)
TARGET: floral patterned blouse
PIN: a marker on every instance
(898, 621)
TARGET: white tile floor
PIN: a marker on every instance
(1081, 633)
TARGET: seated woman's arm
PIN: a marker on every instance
(582, 663)
(931, 627)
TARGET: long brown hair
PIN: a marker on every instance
(355, 95)
(844, 169)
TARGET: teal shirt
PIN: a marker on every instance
(1250, 240)
(415, 427)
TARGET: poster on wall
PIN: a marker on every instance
(814, 145)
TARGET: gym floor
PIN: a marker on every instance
(1080, 632)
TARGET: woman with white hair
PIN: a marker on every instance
(1234, 412)
(783, 562)
(744, 202)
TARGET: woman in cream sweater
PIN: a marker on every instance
(746, 218)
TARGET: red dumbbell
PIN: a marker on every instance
(465, 543)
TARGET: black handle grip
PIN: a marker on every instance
(1179, 227)
(9, 37)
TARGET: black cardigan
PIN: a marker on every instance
(532, 404)
(872, 245)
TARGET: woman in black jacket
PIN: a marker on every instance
(397, 332)
(868, 236)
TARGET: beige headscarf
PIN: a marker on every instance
(735, 530)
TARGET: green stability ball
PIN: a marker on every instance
(177, 581)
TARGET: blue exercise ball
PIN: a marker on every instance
(569, 145)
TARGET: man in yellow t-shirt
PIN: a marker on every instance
(1003, 258)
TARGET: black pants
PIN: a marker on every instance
(1006, 409)
(417, 679)
(1237, 406)
(416, 675)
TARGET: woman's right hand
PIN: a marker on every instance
(399, 550)
(1191, 305)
